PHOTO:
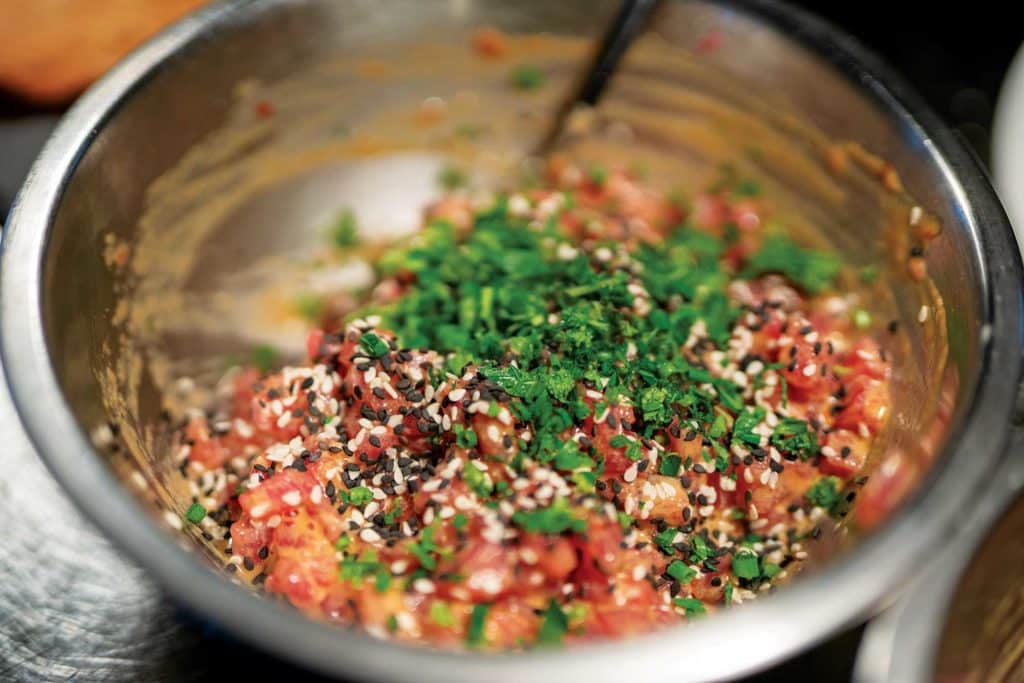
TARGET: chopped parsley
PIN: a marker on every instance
(527, 77)
(441, 613)
(478, 482)
(345, 232)
(356, 569)
(663, 539)
(861, 319)
(743, 427)
(425, 549)
(373, 345)
(501, 291)
(452, 177)
(264, 357)
(824, 493)
(813, 271)
(465, 437)
(392, 515)
(795, 436)
(359, 496)
(669, 465)
(554, 519)
(195, 513)
(554, 626)
(309, 306)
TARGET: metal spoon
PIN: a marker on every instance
(627, 25)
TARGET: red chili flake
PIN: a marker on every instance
(710, 41)
(265, 109)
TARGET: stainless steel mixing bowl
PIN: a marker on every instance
(170, 177)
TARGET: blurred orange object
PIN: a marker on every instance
(53, 49)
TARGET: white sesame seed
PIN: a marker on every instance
(292, 498)
(915, 215)
(173, 520)
(369, 535)
(922, 315)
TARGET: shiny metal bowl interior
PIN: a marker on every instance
(169, 137)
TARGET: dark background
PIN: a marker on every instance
(955, 57)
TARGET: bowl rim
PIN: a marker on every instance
(818, 605)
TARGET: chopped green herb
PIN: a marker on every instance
(527, 77)
(441, 613)
(554, 519)
(465, 437)
(452, 177)
(554, 626)
(747, 188)
(392, 515)
(360, 496)
(664, 539)
(680, 572)
(309, 306)
(264, 357)
(861, 319)
(625, 521)
(794, 436)
(669, 465)
(477, 621)
(365, 566)
(727, 593)
(718, 427)
(195, 513)
(477, 481)
(814, 271)
(425, 548)
(598, 174)
(468, 131)
(824, 493)
(619, 441)
(373, 345)
(692, 606)
(745, 565)
(345, 232)
(700, 551)
(868, 274)
(392, 623)
(743, 427)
